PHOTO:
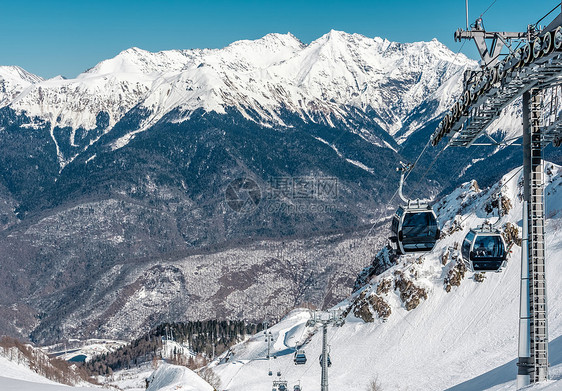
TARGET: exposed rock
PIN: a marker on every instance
(445, 257)
(456, 274)
(410, 294)
(506, 205)
(366, 306)
(511, 234)
(479, 277)
(384, 286)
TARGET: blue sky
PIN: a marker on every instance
(55, 37)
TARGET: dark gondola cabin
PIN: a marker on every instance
(484, 249)
(300, 357)
(279, 385)
(415, 228)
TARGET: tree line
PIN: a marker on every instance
(205, 340)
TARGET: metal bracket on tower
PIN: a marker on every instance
(489, 54)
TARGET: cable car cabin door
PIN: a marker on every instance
(488, 253)
(485, 251)
(418, 231)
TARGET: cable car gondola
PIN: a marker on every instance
(414, 225)
(484, 249)
(300, 357)
(329, 360)
(279, 385)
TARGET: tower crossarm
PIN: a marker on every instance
(536, 65)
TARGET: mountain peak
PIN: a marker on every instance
(262, 52)
(14, 80)
(282, 38)
(15, 72)
(277, 73)
(336, 35)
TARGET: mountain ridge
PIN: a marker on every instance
(91, 215)
(338, 76)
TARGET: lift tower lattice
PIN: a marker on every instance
(530, 71)
(325, 318)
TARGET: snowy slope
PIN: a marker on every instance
(19, 377)
(340, 77)
(465, 339)
(7, 384)
(133, 379)
(14, 370)
(173, 377)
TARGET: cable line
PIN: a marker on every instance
(490, 6)
(551, 11)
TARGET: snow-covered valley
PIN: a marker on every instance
(460, 336)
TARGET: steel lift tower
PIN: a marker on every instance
(534, 72)
(325, 318)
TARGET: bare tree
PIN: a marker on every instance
(374, 385)
(300, 274)
(211, 377)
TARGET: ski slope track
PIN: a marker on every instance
(17, 376)
(462, 340)
(338, 78)
(173, 377)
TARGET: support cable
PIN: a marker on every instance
(429, 141)
(551, 11)
(490, 6)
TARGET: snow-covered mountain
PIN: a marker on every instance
(115, 180)
(172, 377)
(13, 81)
(427, 322)
(135, 155)
(338, 77)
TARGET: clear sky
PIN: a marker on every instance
(52, 37)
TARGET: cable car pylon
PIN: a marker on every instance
(527, 71)
(325, 318)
